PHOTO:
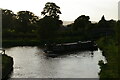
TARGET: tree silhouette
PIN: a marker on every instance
(24, 21)
(81, 22)
(48, 28)
(103, 20)
(50, 23)
(7, 19)
(103, 23)
(51, 9)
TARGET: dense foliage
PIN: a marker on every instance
(26, 26)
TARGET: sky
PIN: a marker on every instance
(71, 9)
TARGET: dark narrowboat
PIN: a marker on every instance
(57, 49)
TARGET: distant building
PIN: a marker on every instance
(119, 10)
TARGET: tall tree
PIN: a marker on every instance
(50, 23)
(51, 9)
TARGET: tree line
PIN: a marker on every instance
(26, 25)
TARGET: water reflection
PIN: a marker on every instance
(31, 62)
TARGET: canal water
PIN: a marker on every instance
(31, 62)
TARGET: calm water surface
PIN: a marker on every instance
(31, 62)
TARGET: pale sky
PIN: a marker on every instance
(71, 9)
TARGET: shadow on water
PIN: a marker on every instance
(55, 55)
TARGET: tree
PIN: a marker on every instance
(48, 27)
(25, 21)
(51, 9)
(81, 23)
(102, 22)
(50, 23)
(7, 19)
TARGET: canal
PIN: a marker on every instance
(31, 62)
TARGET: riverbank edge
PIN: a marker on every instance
(7, 66)
(40, 43)
(109, 70)
(14, 43)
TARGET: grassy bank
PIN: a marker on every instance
(109, 46)
(37, 42)
(7, 65)
(13, 43)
